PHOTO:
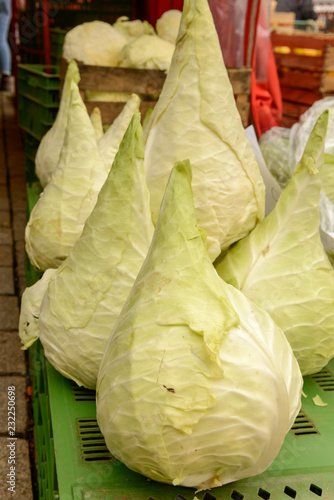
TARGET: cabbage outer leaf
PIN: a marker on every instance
(111, 140)
(58, 217)
(196, 118)
(86, 294)
(30, 309)
(48, 152)
(282, 266)
(197, 386)
(96, 120)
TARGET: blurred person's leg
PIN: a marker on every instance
(5, 52)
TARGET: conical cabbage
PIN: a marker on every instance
(196, 117)
(58, 217)
(48, 152)
(96, 120)
(86, 294)
(282, 266)
(110, 141)
(197, 386)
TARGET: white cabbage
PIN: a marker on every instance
(109, 143)
(133, 28)
(196, 117)
(58, 217)
(167, 26)
(282, 265)
(85, 295)
(48, 152)
(147, 52)
(96, 43)
(197, 386)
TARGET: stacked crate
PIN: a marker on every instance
(305, 62)
(38, 103)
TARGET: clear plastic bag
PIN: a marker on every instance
(230, 18)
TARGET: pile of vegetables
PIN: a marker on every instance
(126, 44)
(165, 288)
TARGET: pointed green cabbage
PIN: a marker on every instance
(109, 143)
(96, 120)
(30, 308)
(86, 294)
(196, 117)
(48, 152)
(282, 266)
(197, 386)
(58, 217)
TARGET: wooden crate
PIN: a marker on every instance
(305, 64)
(148, 84)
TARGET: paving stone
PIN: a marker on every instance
(4, 203)
(7, 281)
(19, 224)
(6, 255)
(3, 192)
(23, 483)
(4, 218)
(12, 357)
(21, 413)
(9, 312)
(3, 177)
(6, 237)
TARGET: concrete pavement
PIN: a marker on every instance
(17, 474)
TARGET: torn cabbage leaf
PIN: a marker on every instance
(196, 117)
(282, 266)
(48, 152)
(58, 217)
(197, 386)
(85, 295)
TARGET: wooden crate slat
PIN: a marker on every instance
(292, 60)
(288, 121)
(294, 109)
(240, 79)
(148, 84)
(302, 40)
(302, 96)
(298, 79)
(110, 110)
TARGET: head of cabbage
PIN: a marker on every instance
(283, 267)
(197, 386)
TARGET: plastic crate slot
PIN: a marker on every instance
(236, 495)
(93, 446)
(263, 494)
(290, 492)
(303, 425)
(208, 496)
(83, 394)
(90, 432)
(316, 489)
(324, 379)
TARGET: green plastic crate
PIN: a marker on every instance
(35, 118)
(31, 145)
(86, 470)
(40, 83)
(74, 463)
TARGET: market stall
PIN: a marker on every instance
(146, 330)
